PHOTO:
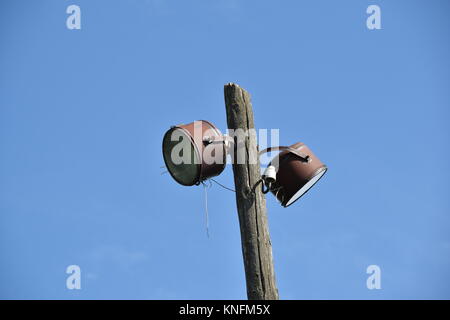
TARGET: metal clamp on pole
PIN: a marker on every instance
(227, 140)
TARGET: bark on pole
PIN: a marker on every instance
(251, 203)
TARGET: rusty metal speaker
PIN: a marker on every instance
(297, 170)
(194, 152)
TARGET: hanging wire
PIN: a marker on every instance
(222, 185)
(205, 186)
(206, 206)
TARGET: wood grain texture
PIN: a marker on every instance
(251, 203)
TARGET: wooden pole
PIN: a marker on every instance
(251, 203)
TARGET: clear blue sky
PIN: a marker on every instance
(83, 113)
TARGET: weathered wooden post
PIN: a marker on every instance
(251, 203)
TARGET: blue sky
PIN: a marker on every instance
(83, 112)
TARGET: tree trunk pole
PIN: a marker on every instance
(251, 203)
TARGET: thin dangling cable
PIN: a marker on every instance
(206, 199)
(206, 208)
(218, 183)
